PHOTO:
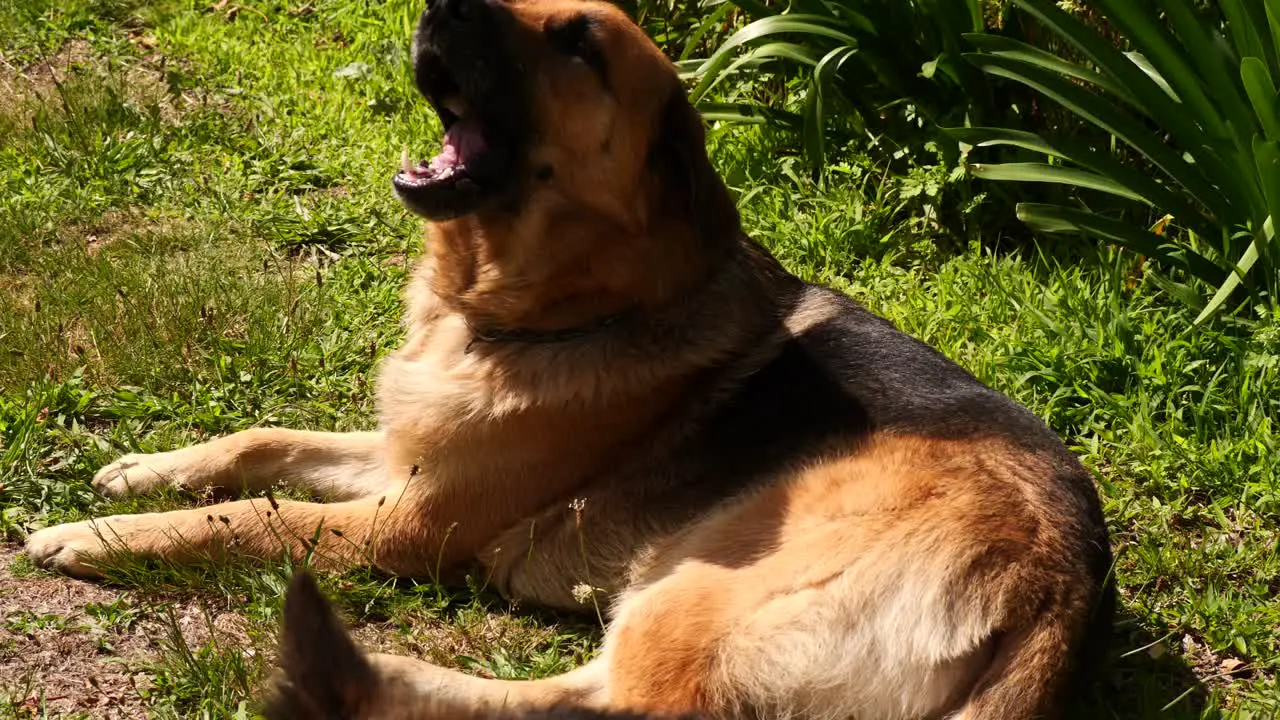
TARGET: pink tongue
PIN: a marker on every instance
(461, 143)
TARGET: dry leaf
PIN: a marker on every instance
(1230, 665)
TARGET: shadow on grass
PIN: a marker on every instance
(1143, 680)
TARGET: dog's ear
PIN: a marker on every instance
(324, 674)
(687, 183)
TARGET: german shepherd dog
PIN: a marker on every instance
(789, 508)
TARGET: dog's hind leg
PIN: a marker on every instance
(471, 696)
(333, 466)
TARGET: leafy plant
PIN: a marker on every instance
(682, 27)
(1193, 119)
(893, 67)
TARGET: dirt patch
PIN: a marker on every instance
(19, 291)
(77, 648)
(97, 234)
(82, 649)
(55, 653)
(142, 80)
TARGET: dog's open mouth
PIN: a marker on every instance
(478, 161)
(464, 144)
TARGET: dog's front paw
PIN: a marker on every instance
(71, 548)
(138, 473)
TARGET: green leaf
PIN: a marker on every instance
(1195, 81)
(1099, 160)
(1266, 154)
(1145, 66)
(750, 114)
(689, 69)
(1230, 284)
(814, 138)
(1058, 219)
(1042, 172)
(1272, 12)
(1262, 93)
(1219, 74)
(754, 8)
(1206, 76)
(1150, 37)
(815, 111)
(1105, 115)
(763, 53)
(954, 18)
(713, 19)
(814, 7)
(813, 25)
(1244, 26)
(1214, 132)
(1008, 47)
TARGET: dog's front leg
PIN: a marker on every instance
(334, 466)
(337, 535)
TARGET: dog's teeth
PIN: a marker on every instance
(405, 165)
(456, 106)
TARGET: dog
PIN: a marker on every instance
(609, 396)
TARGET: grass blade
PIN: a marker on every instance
(716, 17)
(1145, 66)
(815, 112)
(1216, 133)
(814, 136)
(1272, 11)
(1243, 26)
(1199, 127)
(1218, 70)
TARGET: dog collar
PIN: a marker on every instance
(539, 337)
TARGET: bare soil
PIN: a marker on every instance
(69, 647)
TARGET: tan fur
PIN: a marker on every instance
(890, 576)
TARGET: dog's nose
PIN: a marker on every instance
(456, 11)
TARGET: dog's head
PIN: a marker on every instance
(564, 125)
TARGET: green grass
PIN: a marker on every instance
(197, 235)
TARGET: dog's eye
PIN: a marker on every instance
(573, 38)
